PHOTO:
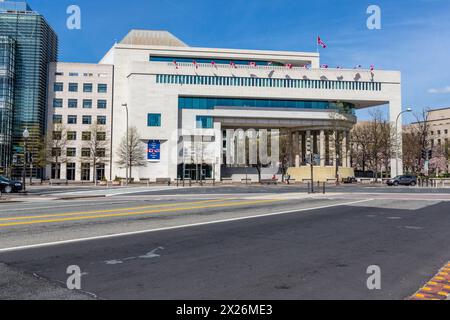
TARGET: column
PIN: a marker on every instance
(345, 149)
(297, 149)
(322, 148)
(308, 144)
(395, 108)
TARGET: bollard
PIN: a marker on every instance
(324, 186)
(309, 188)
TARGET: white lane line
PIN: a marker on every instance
(48, 244)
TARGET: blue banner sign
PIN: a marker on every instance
(154, 150)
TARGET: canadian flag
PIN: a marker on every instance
(175, 64)
(213, 63)
(289, 65)
(252, 64)
(321, 43)
(195, 64)
(233, 64)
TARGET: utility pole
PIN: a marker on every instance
(128, 148)
(26, 135)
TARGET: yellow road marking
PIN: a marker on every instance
(111, 210)
(137, 213)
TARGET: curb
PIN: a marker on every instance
(437, 288)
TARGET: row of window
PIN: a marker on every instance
(268, 82)
(212, 103)
(77, 74)
(73, 119)
(85, 152)
(211, 61)
(87, 87)
(85, 136)
(439, 132)
(73, 103)
(71, 171)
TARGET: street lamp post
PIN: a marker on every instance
(26, 135)
(128, 148)
(397, 144)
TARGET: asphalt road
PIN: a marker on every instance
(291, 246)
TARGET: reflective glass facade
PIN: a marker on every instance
(36, 46)
(203, 103)
(7, 62)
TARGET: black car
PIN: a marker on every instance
(405, 180)
(9, 186)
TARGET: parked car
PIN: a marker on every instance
(9, 186)
(405, 180)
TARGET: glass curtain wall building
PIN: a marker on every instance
(7, 55)
(36, 45)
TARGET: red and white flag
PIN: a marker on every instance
(233, 64)
(252, 64)
(213, 63)
(289, 65)
(321, 43)
(175, 64)
(195, 64)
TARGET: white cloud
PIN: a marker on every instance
(439, 90)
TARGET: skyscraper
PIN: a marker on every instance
(27, 45)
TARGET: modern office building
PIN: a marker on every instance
(28, 45)
(79, 117)
(193, 106)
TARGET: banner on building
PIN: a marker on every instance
(154, 150)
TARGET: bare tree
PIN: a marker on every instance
(135, 156)
(337, 123)
(55, 146)
(98, 145)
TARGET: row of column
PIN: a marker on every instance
(319, 142)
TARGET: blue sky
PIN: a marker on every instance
(415, 34)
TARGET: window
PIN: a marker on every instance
(154, 120)
(85, 172)
(56, 152)
(70, 175)
(101, 104)
(101, 136)
(57, 135)
(87, 120)
(87, 104)
(71, 152)
(446, 131)
(102, 88)
(86, 136)
(87, 87)
(204, 122)
(73, 87)
(57, 118)
(56, 171)
(85, 152)
(71, 135)
(101, 120)
(101, 153)
(72, 119)
(57, 103)
(439, 132)
(58, 87)
(72, 103)
(73, 74)
(59, 73)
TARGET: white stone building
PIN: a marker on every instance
(79, 102)
(184, 100)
